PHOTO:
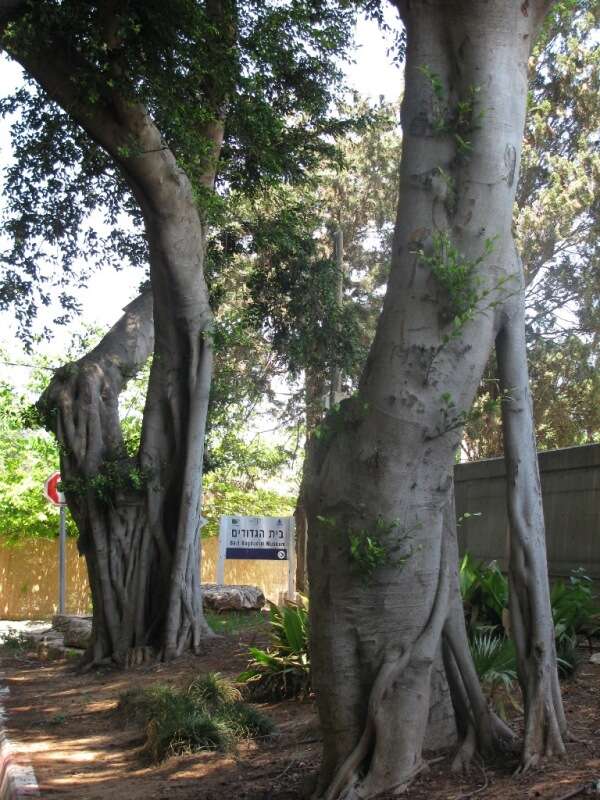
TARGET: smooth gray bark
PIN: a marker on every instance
(141, 533)
(532, 627)
(388, 459)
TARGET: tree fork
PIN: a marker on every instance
(80, 406)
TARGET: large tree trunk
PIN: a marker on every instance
(139, 518)
(381, 559)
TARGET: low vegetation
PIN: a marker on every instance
(208, 715)
(236, 622)
(282, 670)
(484, 589)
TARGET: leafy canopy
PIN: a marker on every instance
(271, 68)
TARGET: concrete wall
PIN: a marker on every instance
(571, 492)
(29, 577)
(570, 482)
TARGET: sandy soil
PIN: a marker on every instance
(67, 726)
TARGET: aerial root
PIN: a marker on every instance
(345, 784)
(136, 656)
(464, 757)
(570, 737)
(530, 762)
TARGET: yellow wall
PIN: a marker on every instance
(29, 578)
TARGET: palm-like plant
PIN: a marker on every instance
(283, 670)
(495, 661)
(484, 590)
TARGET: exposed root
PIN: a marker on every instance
(464, 757)
(137, 656)
(353, 791)
(579, 790)
(347, 775)
(486, 783)
(95, 663)
(401, 788)
(504, 737)
(571, 738)
(525, 766)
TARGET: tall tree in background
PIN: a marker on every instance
(380, 482)
(319, 311)
(149, 101)
(557, 226)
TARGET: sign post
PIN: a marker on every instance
(58, 499)
(262, 538)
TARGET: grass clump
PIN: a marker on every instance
(234, 622)
(207, 715)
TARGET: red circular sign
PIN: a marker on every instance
(51, 490)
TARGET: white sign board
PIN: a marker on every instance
(262, 538)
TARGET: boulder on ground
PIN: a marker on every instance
(49, 644)
(217, 597)
(76, 631)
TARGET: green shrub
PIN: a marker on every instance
(15, 641)
(283, 670)
(484, 591)
(574, 607)
(575, 613)
(208, 715)
(495, 662)
(213, 690)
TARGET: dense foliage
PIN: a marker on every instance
(484, 589)
(271, 69)
(557, 226)
(283, 669)
(28, 456)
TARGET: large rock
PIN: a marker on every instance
(76, 631)
(51, 646)
(48, 644)
(216, 597)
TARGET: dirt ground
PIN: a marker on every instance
(67, 726)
